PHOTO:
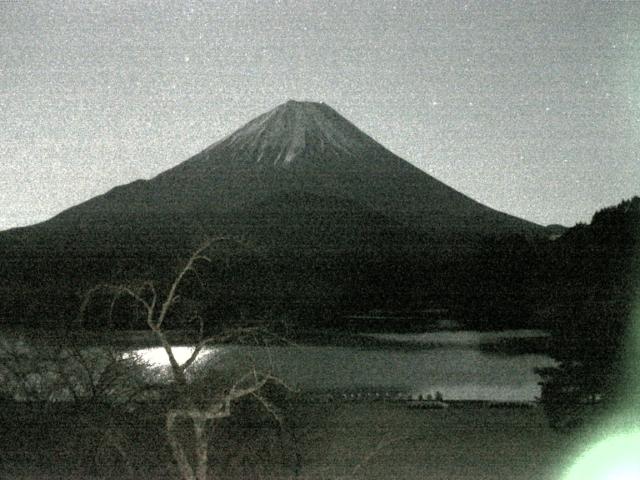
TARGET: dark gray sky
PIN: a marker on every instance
(532, 107)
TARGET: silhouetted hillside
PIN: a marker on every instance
(596, 285)
(327, 207)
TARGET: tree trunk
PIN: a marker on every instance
(186, 471)
(202, 448)
(200, 469)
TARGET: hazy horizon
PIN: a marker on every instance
(531, 109)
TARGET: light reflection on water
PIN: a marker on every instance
(157, 356)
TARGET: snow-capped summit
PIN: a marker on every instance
(294, 132)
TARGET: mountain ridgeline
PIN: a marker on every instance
(300, 158)
(337, 222)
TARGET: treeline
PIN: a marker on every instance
(595, 282)
(518, 281)
(582, 287)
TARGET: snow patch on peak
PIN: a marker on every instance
(300, 104)
(292, 130)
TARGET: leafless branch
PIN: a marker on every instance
(171, 296)
(269, 407)
(383, 443)
(196, 352)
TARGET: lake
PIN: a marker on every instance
(456, 363)
(451, 362)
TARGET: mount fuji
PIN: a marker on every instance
(304, 154)
(319, 196)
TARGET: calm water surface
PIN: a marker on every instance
(450, 362)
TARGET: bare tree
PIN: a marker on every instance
(61, 374)
(56, 372)
(201, 413)
(23, 374)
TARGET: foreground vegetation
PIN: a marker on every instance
(376, 440)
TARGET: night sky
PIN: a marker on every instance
(532, 108)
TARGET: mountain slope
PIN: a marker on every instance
(305, 147)
(326, 204)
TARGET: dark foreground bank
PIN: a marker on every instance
(376, 440)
